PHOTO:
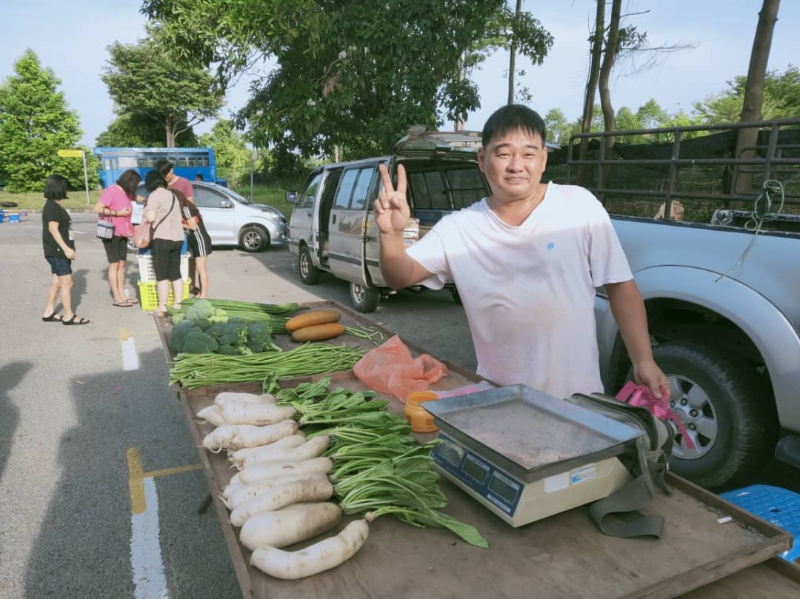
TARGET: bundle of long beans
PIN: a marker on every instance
(198, 370)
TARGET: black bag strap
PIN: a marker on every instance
(167, 214)
(647, 460)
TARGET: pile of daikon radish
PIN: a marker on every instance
(280, 495)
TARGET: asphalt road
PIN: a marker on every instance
(99, 479)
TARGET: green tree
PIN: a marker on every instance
(149, 80)
(139, 130)
(350, 75)
(558, 128)
(232, 154)
(36, 122)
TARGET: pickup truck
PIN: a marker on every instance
(713, 239)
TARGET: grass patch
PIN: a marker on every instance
(263, 194)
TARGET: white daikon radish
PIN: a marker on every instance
(247, 412)
(237, 457)
(211, 415)
(245, 493)
(237, 436)
(227, 396)
(267, 454)
(297, 491)
(261, 472)
(289, 525)
(321, 556)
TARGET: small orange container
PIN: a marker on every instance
(419, 419)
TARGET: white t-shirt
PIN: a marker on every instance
(529, 291)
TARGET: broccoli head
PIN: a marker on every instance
(215, 330)
(199, 310)
(259, 337)
(177, 318)
(234, 350)
(218, 316)
(177, 337)
(198, 342)
(234, 334)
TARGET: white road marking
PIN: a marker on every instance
(148, 568)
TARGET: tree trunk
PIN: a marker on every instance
(170, 130)
(459, 124)
(754, 91)
(512, 66)
(591, 84)
(610, 54)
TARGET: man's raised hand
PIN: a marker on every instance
(391, 207)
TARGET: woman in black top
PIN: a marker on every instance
(198, 239)
(59, 251)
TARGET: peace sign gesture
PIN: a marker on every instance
(391, 207)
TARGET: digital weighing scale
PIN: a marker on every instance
(527, 455)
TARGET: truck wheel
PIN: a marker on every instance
(253, 239)
(727, 410)
(365, 298)
(309, 273)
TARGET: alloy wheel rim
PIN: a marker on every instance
(693, 407)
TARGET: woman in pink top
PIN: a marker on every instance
(116, 206)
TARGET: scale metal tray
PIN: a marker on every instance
(529, 433)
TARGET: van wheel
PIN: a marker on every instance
(365, 298)
(727, 410)
(309, 273)
(253, 239)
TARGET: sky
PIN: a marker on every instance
(72, 39)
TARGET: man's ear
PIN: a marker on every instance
(481, 156)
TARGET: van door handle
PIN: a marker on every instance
(333, 219)
(309, 213)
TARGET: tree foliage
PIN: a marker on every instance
(36, 122)
(232, 154)
(146, 80)
(352, 75)
(140, 131)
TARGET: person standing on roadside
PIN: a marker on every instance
(163, 212)
(198, 238)
(59, 251)
(167, 170)
(526, 261)
(116, 203)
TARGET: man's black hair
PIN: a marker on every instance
(513, 117)
(164, 166)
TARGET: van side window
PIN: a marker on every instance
(467, 186)
(345, 189)
(362, 188)
(310, 191)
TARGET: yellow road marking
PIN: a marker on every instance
(123, 334)
(136, 476)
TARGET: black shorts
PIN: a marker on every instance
(116, 249)
(61, 267)
(167, 259)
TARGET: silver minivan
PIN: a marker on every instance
(332, 229)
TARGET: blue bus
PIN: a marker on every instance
(189, 162)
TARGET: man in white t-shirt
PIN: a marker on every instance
(526, 262)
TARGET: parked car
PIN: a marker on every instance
(332, 228)
(720, 284)
(231, 219)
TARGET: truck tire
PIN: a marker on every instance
(727, 409)
(365, 298)
(309, 273)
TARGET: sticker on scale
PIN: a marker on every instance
(581, 474)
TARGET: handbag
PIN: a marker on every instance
(105, 229)
(143, 232)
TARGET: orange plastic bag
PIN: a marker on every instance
(389, 368)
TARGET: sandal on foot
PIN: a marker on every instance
(122, 304)
(52, 318)
(75, 320)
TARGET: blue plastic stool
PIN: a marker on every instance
(13, 218)
(777, 506)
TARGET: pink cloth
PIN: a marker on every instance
(182, 185)
(116, 199)
(640, 395)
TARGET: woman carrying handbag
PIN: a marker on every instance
(114, 207)
(163, 211)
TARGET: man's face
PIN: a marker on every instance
(170, 175)
(513, 165)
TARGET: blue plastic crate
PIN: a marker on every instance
(778, 506)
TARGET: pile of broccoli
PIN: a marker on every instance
(203, 329)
